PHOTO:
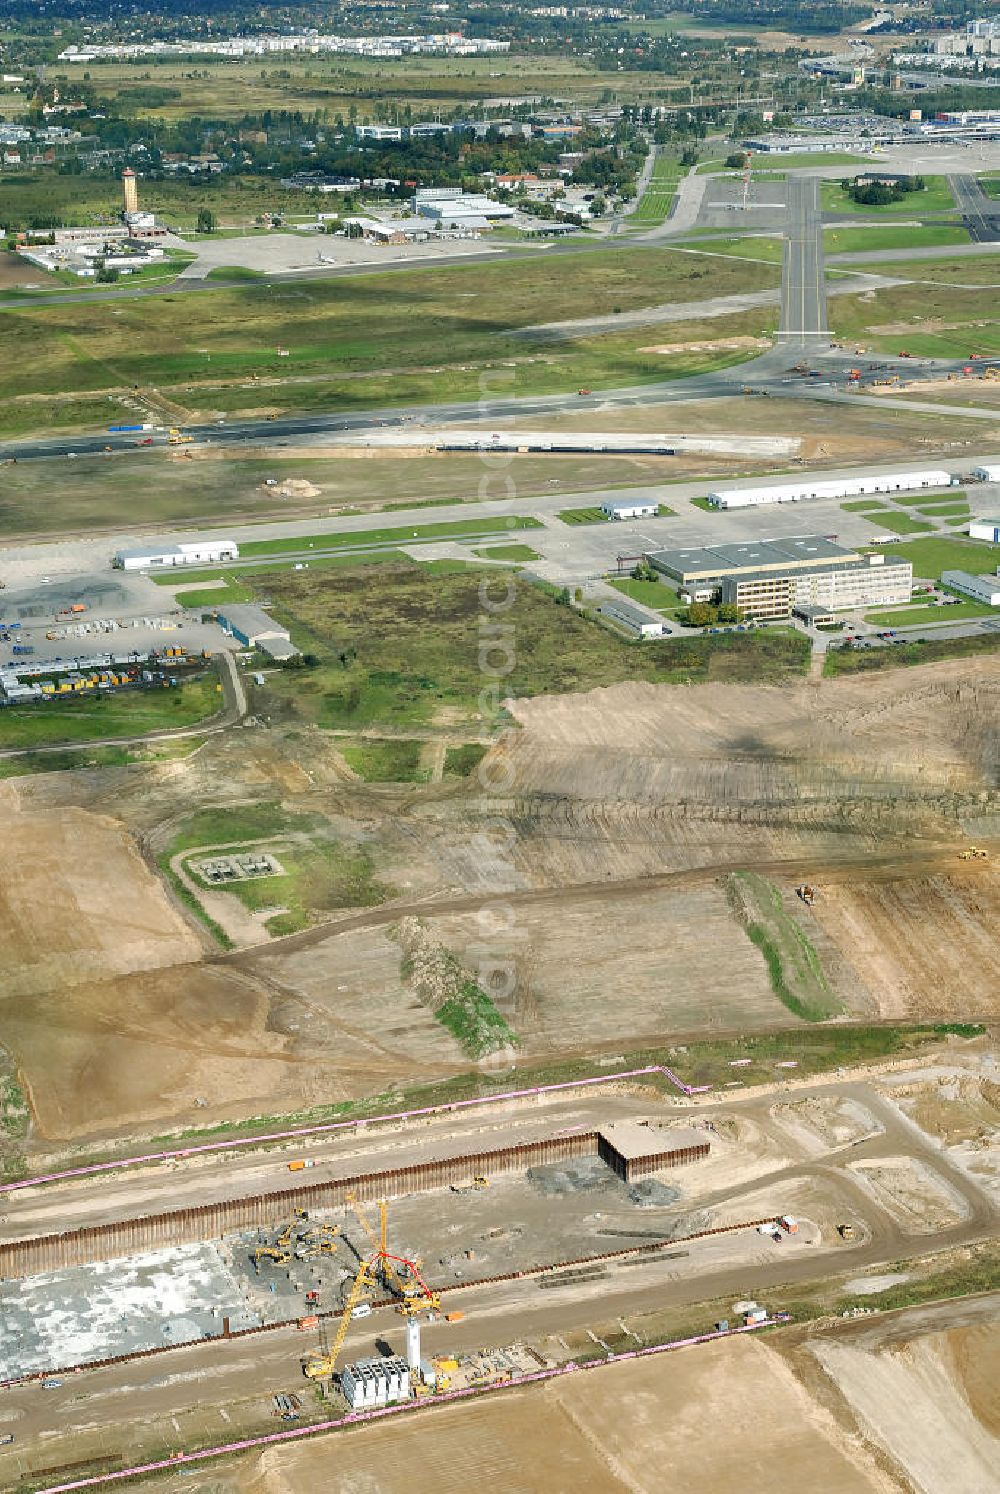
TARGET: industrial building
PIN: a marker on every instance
(632, 508)
(987, 473)
(980, 588)
(454, 208)
(634, 1150)
(205, 552)
(985, 529)
(375, 1382)
(642, 622)
(255, 628)
(836, 487)
(769, 579)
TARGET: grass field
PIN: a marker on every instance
(95, 493)
(656, 201)
(321, 873)
(462, 761)
(901, 523)
(355, 343)
(583, 516)
(401, 646)
(941, 510)
(764, 248)
(864, 506)
(126, 714)
(962, 270)
(930, 557)
(935, 198)
(768, 165)
(385, 762)
(917, 499)
(937, 320)
(155, 751)
(893, 236)
(653, 594)
(796, 974)
(450, 529)
(864, 660)
(507, 552)
(913, 616)
(228, 88)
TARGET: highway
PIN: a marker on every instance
(980, 214)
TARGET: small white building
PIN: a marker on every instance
(987, 473)
(985, 529)
(205, 552)
(375, 1382)
(837, 487)
(632, 508)
(984, 589)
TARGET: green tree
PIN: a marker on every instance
(702, 614)
(206, 220)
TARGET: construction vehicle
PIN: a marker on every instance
(477, 1185)
(974, 853)
(845, 1231)
(270, 1253)
(853, 375)
(807, 893)
(322, 1366)
(788, 1224)
(179, 440)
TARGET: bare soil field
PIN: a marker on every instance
(627, 808)
(917, 1197)
(926, 944)
(77, 902)
(963, 1110)
(611, 1430)
(826, 432)
(927, 1401)
(824, 1121)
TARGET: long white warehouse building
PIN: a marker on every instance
(207, 552)
(836, 487)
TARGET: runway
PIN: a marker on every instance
(803, 287)
(980, 214)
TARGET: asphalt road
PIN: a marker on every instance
(980, 214)
(803, 285)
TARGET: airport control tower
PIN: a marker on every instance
(130, 192)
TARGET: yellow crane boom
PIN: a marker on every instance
(321, 1366)
(378, 1242)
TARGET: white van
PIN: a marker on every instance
(363, 1310)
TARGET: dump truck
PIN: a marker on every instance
(300, 1163)
(846, 1231)
(807, 893)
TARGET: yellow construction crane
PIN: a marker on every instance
(378, 1242)
(322, 1366)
